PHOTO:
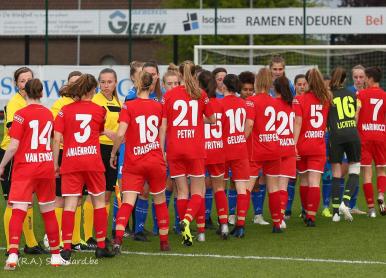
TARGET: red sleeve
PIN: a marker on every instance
(250, 107)
(102, 126)
(208, 109)
(18, 127)
(59, 122)
(124, 115)
(297, 107)
(164, 108)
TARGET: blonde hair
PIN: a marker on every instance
(316, 85)
(187, 70)
(263, 81)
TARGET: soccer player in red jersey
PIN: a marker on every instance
(78, 125)
(264, 151)
(215, 160)
(183, 128)
(140, 120)
(235, 147)
(285, 125)
(372, 131)
(33, 171)
(311, 111)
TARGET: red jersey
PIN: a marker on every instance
(81, 123)
(285, 127)
(372, 115)
(235, 143)
(214, 145)
(262, 109)
(32, 126)
(185, 124)
(314, 120)
(143, 117)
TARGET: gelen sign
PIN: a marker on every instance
(152, 22)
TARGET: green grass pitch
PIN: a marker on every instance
(329, 250)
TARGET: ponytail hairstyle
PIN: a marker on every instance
(144, 82)
(207, 83)
(338, 76)
(282, 87)
(109, 70)
(157, 88)
(263, 81)
(34, 89)
(187, 70)
(81, 87)
(232, 83)
(375, 73)
(172, 67)
(316, 85)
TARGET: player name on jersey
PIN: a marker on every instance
(185, 133)
(268, 137)
(287, 142)
(38, 157)
(314, 134)
(212, 145)
(236, 139)
(346, 124)
(374, 127)
(79, 151)
(140, 150)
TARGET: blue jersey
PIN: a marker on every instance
(219, 95)
(352, 89)
(132, 94)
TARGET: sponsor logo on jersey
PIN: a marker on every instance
(18, 119)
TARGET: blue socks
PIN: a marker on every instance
(291, 195)
(115, 211)
(176, 217)
(261, 198)
(353, 200)
(140, 215)
(208, 202)
(168, 195)
(326, 192)
(232, 200)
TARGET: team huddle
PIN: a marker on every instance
(197, 135)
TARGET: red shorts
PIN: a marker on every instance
(72, 183)
(311, 163)
(187, 167)
(288, 167)
(151, 169)
(373, 150)
(269, 167)
(239, 168)
(22, 190)
(216, 170)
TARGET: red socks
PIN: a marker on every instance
(162, 213)
(122, 218)
(68, 220)
(381, 184)
(182, 204)
(222, 206)
(15, 228)
(242, 204)
(193, 207)
(369, 194)
(283, 202)
(52, 230)
(200, 218)
(274, 207)
(303, 196)
(313, 201)
(100, 226)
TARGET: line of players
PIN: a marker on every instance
(250, 138)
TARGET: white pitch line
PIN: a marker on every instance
(232, 257)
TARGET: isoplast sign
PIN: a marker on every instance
(154, 22)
